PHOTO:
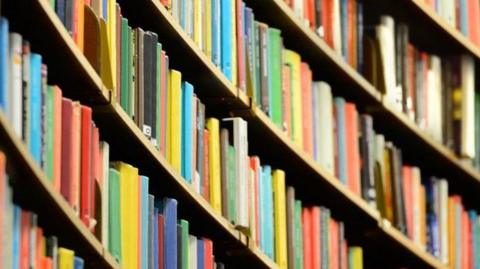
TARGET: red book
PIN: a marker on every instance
(57, 137)
(241, 78)
(208, 253)
(289, 3)
(344, 260)
(86, 166)
(76, 156)
(407, 197)
(353, 151)
(315, 240)
(309, 12)
(163, 102)
(327, 21)
(39, 243)
(206, 179)
(307, 238)
(161, 223)
(47, 263)
(306, 82)
(25, 227)
(286, 94)
(66, 154)
(474, 21)
(334, 244)
(465, 239)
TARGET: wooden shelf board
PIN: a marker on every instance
(30, 181)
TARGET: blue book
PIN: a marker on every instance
(341, 143)
(78, 263)
(268, 211)
(226, 31)
(473, 243)
(155, 238)
(187, 131)
(360, 37)
(183, 14)
(200, 254)
(60, 10)
(216, 33)
(17, 216)
(35, 145)
(144, 203)
(4, 63)
(170, 244)
(463, 17)
(344, 27)
(105, 10)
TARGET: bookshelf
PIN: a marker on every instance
(84, 83)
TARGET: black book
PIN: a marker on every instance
(147, 84)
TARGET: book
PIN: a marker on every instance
(278, 180)
(212, 126)
(174, 120)
(65, 258)
(170, 233)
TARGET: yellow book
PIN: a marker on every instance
(213, 127)
(129, 214)
(105, 56)
(207, 28)
(234, 43)
(65, 258)
(174, 117)
(112, 39)
(280, 218)
(355, 258)
(80, 24)
(197, 23)
(293, 60)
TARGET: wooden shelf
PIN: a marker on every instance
(33, 191)
(387, 120)
(213, 87)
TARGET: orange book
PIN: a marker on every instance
(315, 229)
(334, 246)
(423, 218)
(86, 171)
(47, 263)
(289, 3)
(353, 151)
(465, 239)
(25, 233)
(57, 137)
(474, 21)
(327, 21)
(306, 82)
(352, 33)
(309, 12)
(407, 197)
(451, 231)
(39, 247)
(307, 238)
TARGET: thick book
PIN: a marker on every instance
(174, 156)
(170, 233)
(65, 258)
(280, 222)
(324, 131)
(86, 169)
(292, 59)
(14, 80)
(212, 125)
(227, 30)
(307, 238)
(275, 76)
(352, 148)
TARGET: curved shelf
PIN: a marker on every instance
(34, 192)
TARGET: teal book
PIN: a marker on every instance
(144, 222)
(275, 76)
(125, 46)
(36, 107)
(187, 132)
(298, 234)
(114, 243)
(226, 37)
(49, 143)
(341, 160)
(268, 211)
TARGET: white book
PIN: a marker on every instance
(189, 18)
(192, 252)
(240, 143)
(104, 190)
(324, 134)
(434, 98)
(385, 33)
(448, 9)
(467, 148)
(15, 107)
(337, 29)
(298, 8)
(443, 219)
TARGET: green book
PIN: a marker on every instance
(114, 243)
(124, 65)
(49, 121)
(298, 235)
(232, 207)
(275, 75)
(184, 250)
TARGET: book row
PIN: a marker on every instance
(23, 241)
(463, 15)
(438, 93)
